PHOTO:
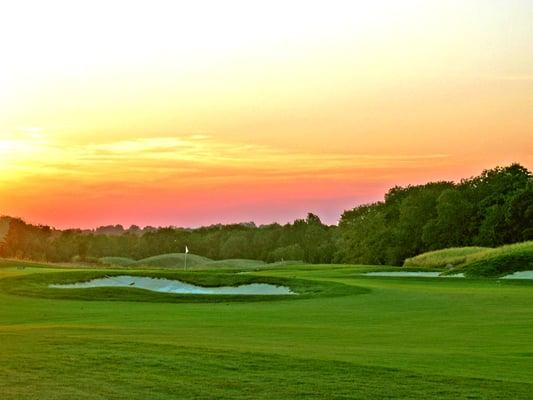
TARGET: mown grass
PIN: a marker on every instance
(225, 375)
(402, 338)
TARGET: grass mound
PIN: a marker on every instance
(498, 262)
(173, 260)
(500, 265)
(236, 263)
(177, 260)
(478, 261)
(120, 261)
(441, 258)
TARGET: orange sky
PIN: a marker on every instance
(172, 113)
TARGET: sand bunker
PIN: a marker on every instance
(174, 286)
(421, 274)
(520, 275)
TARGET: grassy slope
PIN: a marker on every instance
(235, 263)
(407, 338)
(170, 260)
(177, 260)
(441, 258)
(500, 261)
(476, 261)
(120, 261)
(173, 260)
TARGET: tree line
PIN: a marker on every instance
(305, 239)
(491, 209)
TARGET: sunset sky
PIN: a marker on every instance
(197, 112)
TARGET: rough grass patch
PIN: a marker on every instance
(441, 258)
(479, 261)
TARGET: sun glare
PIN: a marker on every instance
(20, 152)
(6, 146)
(13, 148)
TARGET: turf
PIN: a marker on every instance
(402, 338)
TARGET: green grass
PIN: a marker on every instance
(194, 262)
(118, 261)
(479, 261)
(235, 264)
(173, 260)
(384, 338)
(500, 261)
(441, 258)
(170, 260)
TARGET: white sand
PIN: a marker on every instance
(174, 286)
(429, 274)
(405, 273)
(520, 275)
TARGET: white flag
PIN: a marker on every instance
(186, 250)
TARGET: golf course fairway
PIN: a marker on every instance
(378, 338)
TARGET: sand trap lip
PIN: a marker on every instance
(164, 285)
(412, 274)
(428, 274)
(519, 275)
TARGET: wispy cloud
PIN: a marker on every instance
(185, 157)
(180, 176)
